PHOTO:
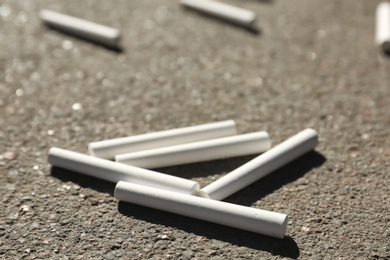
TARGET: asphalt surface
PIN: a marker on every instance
(311, 64)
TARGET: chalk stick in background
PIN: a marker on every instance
(115, 172)
(221, 148)
(223, 11)
(94, 32)
(382, 32)
(107, 149)
(241, 217)
(262, 165)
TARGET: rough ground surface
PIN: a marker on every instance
(313, 64)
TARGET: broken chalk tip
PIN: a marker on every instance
(246, 218)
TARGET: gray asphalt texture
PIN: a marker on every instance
(312, 64)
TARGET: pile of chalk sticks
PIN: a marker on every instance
(127, 162)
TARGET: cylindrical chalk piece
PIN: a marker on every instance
(81, 28)
(262, 165)
(220, 148)
(246, 218)
(224, 11)
(114, 172)
(109, 148)
(382, 37)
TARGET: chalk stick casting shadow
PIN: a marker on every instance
(283, 247)
(277, 179)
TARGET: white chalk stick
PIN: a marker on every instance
(241, 217)
(81, 28)
(214, 149)
(262, 165)
(109, 148)
(114, 172)
(382, 34)
(224, 11)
